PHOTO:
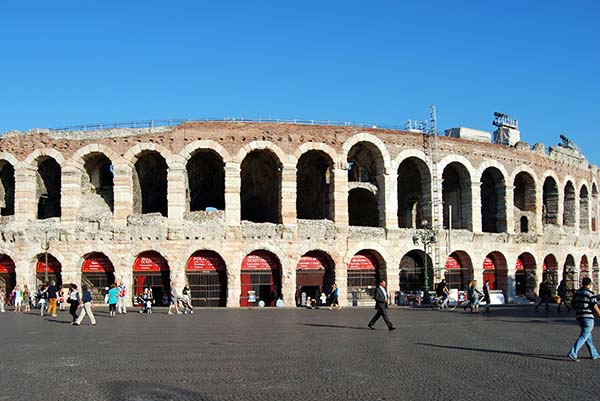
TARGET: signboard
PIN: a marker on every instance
(260, 260)
(520, 264)
(488, 264)
(150, 262)
(6, 265)
(53, 265)
(205, 261)
(98, 263)
(363, 261)
(312, 262)
(452, 263)
(252, 296)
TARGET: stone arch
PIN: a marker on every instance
(371, 139)
(308, 146)
(414, 192)
(48, 187)
(493, 200)
(43, 153)
(8, 274)
(79, 157)
(150, 171)
(97, 183)
(584, 207)
(550, 270)
(570, 273)
(364, 272)
(570, 204)
(594, 209)
(457, 195)
(550, 199)
(362, 208)
(7, 186)
(315, 275)
(133, 153)
(261, 272)
(499, 271)
(525, 276)
(206, 276)
(205, 144)
(584, 268)
(205, 180)
(315, 185)
(412, 267)
(253, 146)
(524, 200)
(261, 179)
(458, 270)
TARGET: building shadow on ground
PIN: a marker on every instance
(334, 326)
(549, 357)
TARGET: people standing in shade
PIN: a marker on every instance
(112, 300)
(584, 303)
(73, 301)
(486, 295)
(122, 298)
(26, 299)
(174, 301)
(561, 291)
(544, 292)
(334, 294)
(18, 298)
(86, 299)
(52, 292)
(381, 305)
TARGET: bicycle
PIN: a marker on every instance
(448, 303)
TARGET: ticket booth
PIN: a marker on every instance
(363, 276)
(207, 278)
(314, 275)
(8, 278)
(98, 273)
(54, 270)
(150, 270)
(260, 279)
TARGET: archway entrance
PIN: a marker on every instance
(489, 273)
(97, 272)
(459, 270)
(525, 281)
(54, 270)
(495, 263)
(314, 275)
(151, 270)
(550, 270)
(364, 274)
(207, 278)
(411, 272)
(261, 279)
(8, 278)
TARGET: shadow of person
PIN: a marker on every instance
(497, 351)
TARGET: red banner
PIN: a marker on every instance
(98, 263)
(150, 262)
(363, 261)
(452, 263)
(205, 261)
(6, 265)
(53, 265)
(488, 264)
(520, 265)
(260, 260)
(312, 262)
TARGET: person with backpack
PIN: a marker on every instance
(544, 293)
(584, 303)
(561, 291)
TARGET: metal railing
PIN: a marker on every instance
(173, 122)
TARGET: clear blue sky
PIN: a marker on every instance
(73, 62)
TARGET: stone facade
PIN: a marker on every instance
(362, 191)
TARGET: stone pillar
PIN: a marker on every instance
(25, 194)
(340, 197)
(288, 280)
(510, 210)
(70, 194)
(391, 201)
(288, 194)
(123, 193)
(539, 210)
(476, 207)
(234, 283)
(176, 198)
(341, 279)
(233, 187)
(393, 278)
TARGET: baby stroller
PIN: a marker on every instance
(185, 302)
(145, 303)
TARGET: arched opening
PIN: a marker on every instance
(493, 201)
(525, 280)
(261, 279)
(570, 275)
(456, 196)
(150, 184)
(595, 271)
(550, 202)
(97, 181)
(261, 187)
(362, 208)
(53, 271)
(207, 278)
(584, 211)
(459, 270)
(314, 180)
(412, 267)
(414, 193)
(8, 277)
(365, 172)
(314, 275)
(7, 188)
(495, 270)
(206, 181)
(48, 187)
(594, 219)
(365, 270)
(97, 272)
(151, 270)
(584, 268)
(524, 201)
(569, 205)
(550, 270)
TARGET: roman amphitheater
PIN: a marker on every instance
(249, 211)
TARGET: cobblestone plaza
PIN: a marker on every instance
(512, 353)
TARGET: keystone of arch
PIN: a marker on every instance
(492, 163)
(78, 158)
(463, 161)
(407, 154)
(135, 150)
(261, 145)
(369, 246)
(524, 169)
(205, 144)
(308, 146)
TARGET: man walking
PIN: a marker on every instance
(86, 299)
(381, 305)
(584, 303)
(52, 298)
(544, 293)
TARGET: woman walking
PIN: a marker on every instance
(73, 301)
(334, 294)
(112, 300)
(26, 299)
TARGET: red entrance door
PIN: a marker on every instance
(261, 279)
(98, 273)
(151, 270)
(489, 272)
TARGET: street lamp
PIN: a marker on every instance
(425, 236)
(45, 247)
